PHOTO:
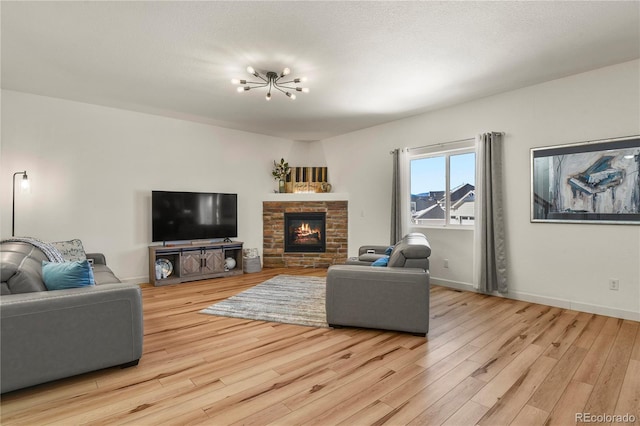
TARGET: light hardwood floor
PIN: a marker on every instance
(486, 360)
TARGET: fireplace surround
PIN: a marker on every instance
(335, 234)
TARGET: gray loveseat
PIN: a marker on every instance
(48, 335)
(395, 297)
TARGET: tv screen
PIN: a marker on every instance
(180, 216)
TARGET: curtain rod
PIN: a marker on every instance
(443, 143)
(448, 143)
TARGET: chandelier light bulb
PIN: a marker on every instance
(240, 89)
(235, 81)
(285, 71)
(305, 90)
(250, 70)
(268, 97)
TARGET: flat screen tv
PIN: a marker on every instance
(178, 216)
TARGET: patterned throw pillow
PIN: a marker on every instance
(71, 250)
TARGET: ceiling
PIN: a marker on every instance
(367, 63)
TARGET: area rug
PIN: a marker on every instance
(291, 299)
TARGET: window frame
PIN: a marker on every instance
(446, 151)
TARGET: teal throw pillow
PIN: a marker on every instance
(58, 276)
(388, 250)
(383, 261)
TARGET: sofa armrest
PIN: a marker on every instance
(372, 249)
(54, 334)
(368, 254)
(98, 258)
(385, 298)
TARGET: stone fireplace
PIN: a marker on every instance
(306, 224)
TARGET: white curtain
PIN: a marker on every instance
(400, 197)
(490, 266)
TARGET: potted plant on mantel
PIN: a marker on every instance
(280, 172)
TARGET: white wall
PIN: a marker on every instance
(560, 264)
(93, 168)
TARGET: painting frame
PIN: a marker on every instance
(596, 182)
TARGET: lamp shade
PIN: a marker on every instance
(25, 184)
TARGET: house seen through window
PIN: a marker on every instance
(443, 187)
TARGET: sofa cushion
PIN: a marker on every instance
(59, 276)
(103, 274)
(71, 250)
(21, 268)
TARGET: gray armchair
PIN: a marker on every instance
(395, 297)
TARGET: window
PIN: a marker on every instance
(443, 186)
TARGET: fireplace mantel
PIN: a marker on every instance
(307, 196)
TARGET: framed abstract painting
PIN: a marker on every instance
(587, 182)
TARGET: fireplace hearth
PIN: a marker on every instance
(305, 232)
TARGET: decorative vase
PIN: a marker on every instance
(229, 263)
(281, 186)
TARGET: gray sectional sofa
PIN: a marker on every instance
(48, 335)
(395, 297)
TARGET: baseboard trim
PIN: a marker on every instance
(576, 306)
(135, 280)
(456, 285)
(545, 300)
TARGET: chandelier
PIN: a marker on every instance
(272, 80)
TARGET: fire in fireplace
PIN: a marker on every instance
(305, 232)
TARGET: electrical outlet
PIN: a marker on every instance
(614, 284)
(446, 263)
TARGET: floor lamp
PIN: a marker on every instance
(25, 186)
